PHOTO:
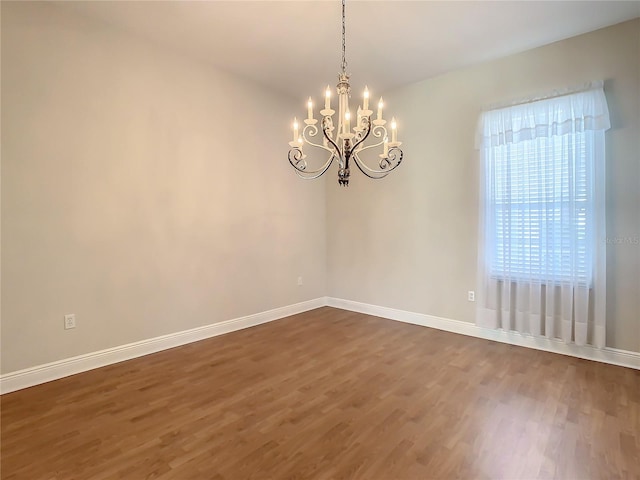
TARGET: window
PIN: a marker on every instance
(542, 249)
(542, 203)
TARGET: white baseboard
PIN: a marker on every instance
(613, 356)
(29, 377)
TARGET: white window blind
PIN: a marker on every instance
(542, 204)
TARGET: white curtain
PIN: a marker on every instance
(542, 237)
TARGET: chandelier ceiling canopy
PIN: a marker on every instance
(345, 142)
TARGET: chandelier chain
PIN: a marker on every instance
(344, 57)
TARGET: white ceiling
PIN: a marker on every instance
(294, 46)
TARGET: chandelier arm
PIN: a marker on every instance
(364, 169)
(296, 159)
(359, 142)
(394, 153)
(338, 152)
(387, 164)
(373, 145)
(314, 132)
(377, 131)
(314, 175)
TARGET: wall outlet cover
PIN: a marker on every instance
(69, 321)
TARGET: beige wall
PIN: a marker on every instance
(142, 191)
(131, 198)
(410, 241)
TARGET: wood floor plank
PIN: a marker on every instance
(330, 394)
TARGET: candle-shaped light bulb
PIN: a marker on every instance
(394, 130)
(295, 129)
(365, 102)
(380, 105)
(327, 98)
(347, 122)
(310, 109)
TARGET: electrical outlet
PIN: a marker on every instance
(299, 281)
(70, 321)
(471, 296)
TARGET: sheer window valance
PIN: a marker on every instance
(576, 112)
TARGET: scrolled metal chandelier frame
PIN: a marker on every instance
(345, 144)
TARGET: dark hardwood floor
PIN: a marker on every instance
(330, 394)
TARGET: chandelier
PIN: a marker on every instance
(343, 142)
